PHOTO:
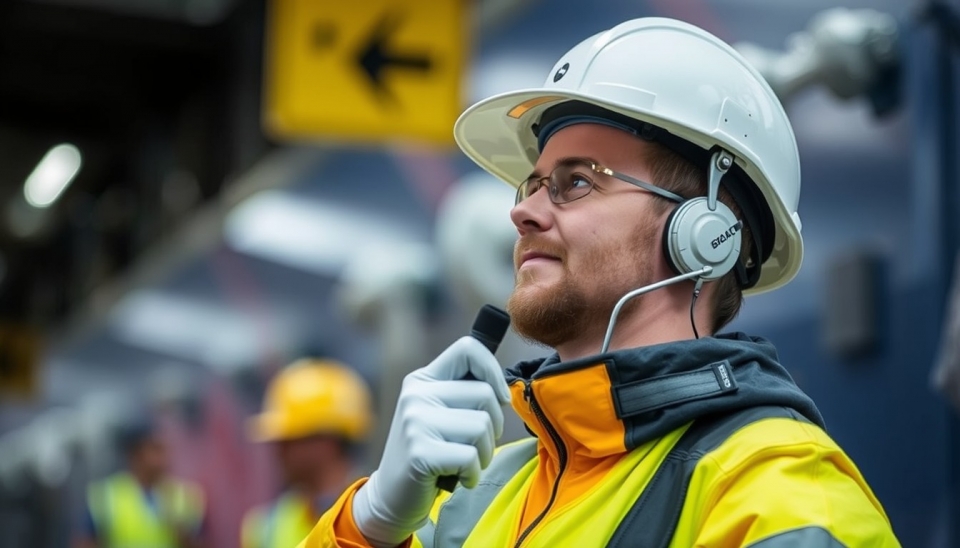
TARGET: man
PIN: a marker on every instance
(315, 415)
(143, 505)
(653, 159)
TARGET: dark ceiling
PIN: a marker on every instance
(149, 99)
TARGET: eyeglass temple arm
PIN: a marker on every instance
(643, 184)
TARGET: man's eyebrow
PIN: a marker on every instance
(565, 161)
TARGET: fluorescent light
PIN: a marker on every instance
(307, 234)
(196, 330)
(55, 171)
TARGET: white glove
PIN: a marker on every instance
(443, 426)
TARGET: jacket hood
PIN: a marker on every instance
(657, 389)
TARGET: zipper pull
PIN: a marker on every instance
(527, 391)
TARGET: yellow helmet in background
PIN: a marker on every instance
(310, 397)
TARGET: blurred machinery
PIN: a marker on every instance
(46, 462)
(47, 449)
(474, 238)
(852, 53)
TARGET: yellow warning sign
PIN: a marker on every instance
(364, 70)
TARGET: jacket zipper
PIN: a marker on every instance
(561, 453)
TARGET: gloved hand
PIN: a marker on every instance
(442, 426)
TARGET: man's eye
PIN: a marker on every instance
(579, 182)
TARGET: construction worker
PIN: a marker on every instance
(315, 413)
(143, 506)
(655, 164)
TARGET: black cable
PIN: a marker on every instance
(693, 301)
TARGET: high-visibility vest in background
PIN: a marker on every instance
(125, 518)
(282, 524)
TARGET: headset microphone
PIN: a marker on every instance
(705, 271)
(489, 328)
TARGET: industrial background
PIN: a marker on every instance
(257, 180)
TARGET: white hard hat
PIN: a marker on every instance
(673, 83)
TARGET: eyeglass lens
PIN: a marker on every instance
(568, 182)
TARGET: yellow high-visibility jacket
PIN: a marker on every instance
(125, 519)
(282, 524)
(696, 443)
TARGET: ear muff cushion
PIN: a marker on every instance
(698, 237)
(665, 241)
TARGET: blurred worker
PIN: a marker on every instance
(654, 157)
(316, 413)
(143, 505)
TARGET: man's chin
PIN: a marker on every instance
(536, 313)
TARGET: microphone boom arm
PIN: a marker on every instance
(640, 291)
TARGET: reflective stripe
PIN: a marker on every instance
(652, 520)
(807, 537)
(460, 514)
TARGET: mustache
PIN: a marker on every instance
(536, 244)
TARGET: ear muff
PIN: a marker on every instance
(695, 237)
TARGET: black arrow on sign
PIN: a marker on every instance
(375, 58)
